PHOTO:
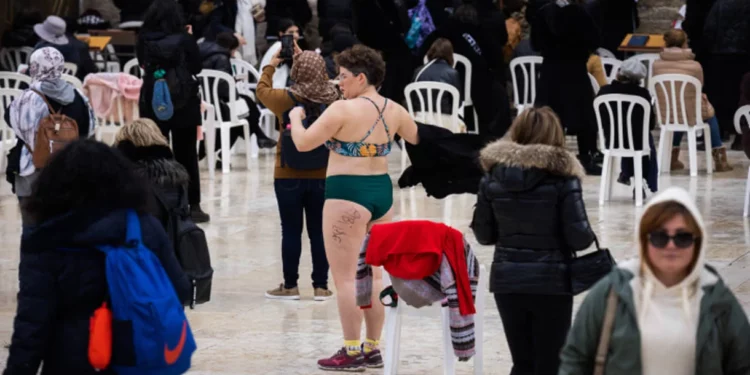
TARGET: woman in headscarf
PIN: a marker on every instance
(48, 91)
(299, 190)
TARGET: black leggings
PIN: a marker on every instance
(183, 146)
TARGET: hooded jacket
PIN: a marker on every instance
(644, 338)
(530, 205)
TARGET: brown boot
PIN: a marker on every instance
(676, 165)
(720, 160)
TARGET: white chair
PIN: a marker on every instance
(743, 111)
(611, 68)
(394, 315)
(70, 68)
(430, 108)
(245, 72)
(10, 80)
(210, 93)
(111, 124)
(528, 66)
(209, 137)
(8, 140)
(468, 102)
(594, 83)
(73, 80)
(648, 60)
(11, 58)
(131, 67)
(621, 129)
(674, 118)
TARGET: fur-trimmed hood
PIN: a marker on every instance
(555, 160)
(156, 163)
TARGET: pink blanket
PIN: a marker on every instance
(104, 90)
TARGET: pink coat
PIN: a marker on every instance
(105, 89)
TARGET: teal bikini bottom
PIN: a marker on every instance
(375, 192)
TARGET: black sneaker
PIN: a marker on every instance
(266, 143)
(198, 215)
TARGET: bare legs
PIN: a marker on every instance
(345, 225)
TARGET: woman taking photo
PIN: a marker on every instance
(359, 133)
(530, 206)
(298, 190)
(672, 312)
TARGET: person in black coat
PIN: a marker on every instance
(696, 12)
(440, 69)
(53, 32)
(332, 13)
(530, 206)
(615, 19)
(566, 37)
(164, 43)
(79, 202)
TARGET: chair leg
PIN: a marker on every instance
(693, 152)
(747, 194)
(638, 173)
(707, 147)
(210, 145)
(605, 183)
(392, 337)
(663, 159)
(449, 359)
(251, 145)
(226, 155)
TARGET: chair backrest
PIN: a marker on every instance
(430, 105)
(648, 60)
(132, 68)
(594, 83)
(462, 60)
(743, 111)
(528, 67)
(11, 58)
(209, 89)
(621, 121)
(70, 68)
(670, 90)
(73, 80)
(611, 68)
(245, 71)
(10, 80)
(7, 96)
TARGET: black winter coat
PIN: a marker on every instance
(615, 19)
(157, 49)
(216, 57)
(132, 10)
(60, 289)
(439, 71)
(727, 29)
(696, 12)
(332, 12)
(221, 20)
(530, 205)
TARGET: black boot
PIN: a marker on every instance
(266, 142)
(590, 165)
(198, 215)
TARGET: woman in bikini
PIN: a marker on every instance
(359, 193)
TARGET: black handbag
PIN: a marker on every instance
(586, 270)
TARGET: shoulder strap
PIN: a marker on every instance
(606, 335)
(380, 118)
(133, 231)
(294, 99)
(49, 106)
(416, 79)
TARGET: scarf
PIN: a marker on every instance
(311, 79)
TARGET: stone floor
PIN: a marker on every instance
(241, 332)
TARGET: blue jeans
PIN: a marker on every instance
(295, 196)
(713, 124)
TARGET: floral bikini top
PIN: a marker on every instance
(361, 148)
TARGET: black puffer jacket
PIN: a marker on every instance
(60, 289)
(440, 71)
(216, 57)
(727, 29)
(530, 206)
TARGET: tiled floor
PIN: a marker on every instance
(240, 332)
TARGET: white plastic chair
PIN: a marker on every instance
(394, 315)
(594, 83)
(743, 111)
(612, 66)
(8, 140)
(209, 137)
(11, 58)
(111, 124)
(11, 80)
(528, 66)
(621, 129)
(73, 80)
(245, 72)
(70, 68)
(648, 60)
(210, 93)
(131, 67)
(468, 102)
(674, 118)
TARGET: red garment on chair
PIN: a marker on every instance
(413, 250)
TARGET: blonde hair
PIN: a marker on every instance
(141, 132)
(537, 126)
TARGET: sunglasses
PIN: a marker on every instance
(661, 239)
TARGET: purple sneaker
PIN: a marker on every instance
(373, 359)
(341, 361)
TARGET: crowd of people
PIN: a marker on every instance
(338, 101)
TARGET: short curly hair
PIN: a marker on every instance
(361, 59)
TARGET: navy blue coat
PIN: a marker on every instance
(59, 289)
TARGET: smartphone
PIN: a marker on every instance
(287, 47)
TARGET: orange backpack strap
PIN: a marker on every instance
(49, 106)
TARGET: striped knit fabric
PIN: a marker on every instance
(423, 293)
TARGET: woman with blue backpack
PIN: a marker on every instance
(74, 262)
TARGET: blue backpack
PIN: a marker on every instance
(142, 297)
(161, 102)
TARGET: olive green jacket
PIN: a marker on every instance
(723, 336)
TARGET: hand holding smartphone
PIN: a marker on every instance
(287, 47)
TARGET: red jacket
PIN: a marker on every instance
(413, 250)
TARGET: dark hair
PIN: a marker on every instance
(164, 16)
(467, 13)
(227, 40)
(361, 59)
(85, 175)
(284, 24)
(441, 48)
(675, 38)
